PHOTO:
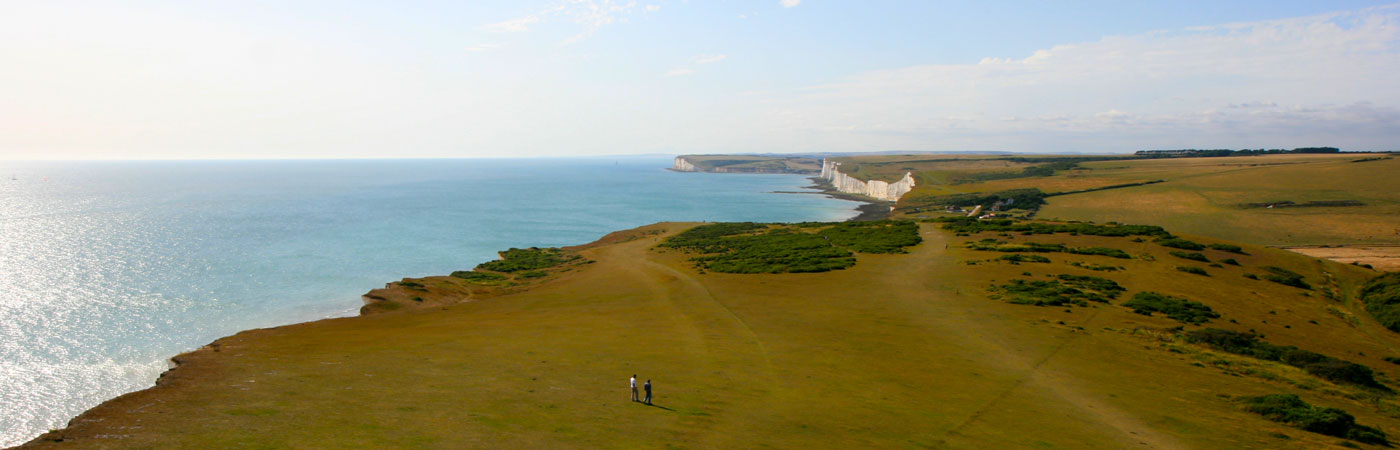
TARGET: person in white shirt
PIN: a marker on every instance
(634, 387)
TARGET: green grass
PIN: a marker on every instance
(1176, 308)
(1096, 267)
(479, 277)
(1290, 409)
(874, 237)
(1227, 248)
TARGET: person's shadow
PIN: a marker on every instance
(653, 405)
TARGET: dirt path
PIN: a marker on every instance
(1132, 430)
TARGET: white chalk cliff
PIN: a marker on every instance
(873, 188)
(681, 165)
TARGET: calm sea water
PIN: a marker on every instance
(107, 269)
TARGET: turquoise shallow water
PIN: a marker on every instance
(109, 268)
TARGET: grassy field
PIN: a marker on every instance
(1317, 199)
(900, 350)
(755, 164)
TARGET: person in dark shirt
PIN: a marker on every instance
(647, 387)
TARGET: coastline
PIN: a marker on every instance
(870, 209)
(193, 365)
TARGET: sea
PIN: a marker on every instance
(109, 268)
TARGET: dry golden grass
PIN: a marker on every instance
(898, 351)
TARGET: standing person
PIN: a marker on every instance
(634, 387)
(648, 389)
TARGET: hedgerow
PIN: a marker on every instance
(1177, 308)
(1321, 366)
(1290, 409)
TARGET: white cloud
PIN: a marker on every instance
(512, 26)
(482, 47)
(590, 14)
(707, 59)
(790, 3)
(679, 71)
(1326, 79)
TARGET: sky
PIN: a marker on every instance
(360, 79)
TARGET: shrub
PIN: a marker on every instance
(1290, 409)
(1319, 365)
(972, 225)
(1097, 267)
(1251, 276)
(1194, 256)
(1382, 298)
(414, 285)
(1193, 270)
(1107, 287)
(533, 258)
(1019, 258)
(1286, 277)
(1062, 291)
(874, 237)
(1101, 251)
(1179, 309)
(806, 247)
(533, 274)
(1230, 261)
(1227, 248)
(1180, 243)
(480, 277)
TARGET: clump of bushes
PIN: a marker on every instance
(1227, 248)
(1290, 409)
(1286, 277)
(1230, 261)
(1321, 366)
(1065, 290)
(1096, 267)
(1176, 308)
(479, 277)
(972, 225)
(883, 236)
(523, 259)
(1019, 258)
(810, 247)
(414, 285)
(1175, 242)
(1101, 251)
(1382, 298)
(1193, 270)
(1036, 247)
(1194, 256)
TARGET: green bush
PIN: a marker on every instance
(1193, 270)
(1286, 277)
(533, 258)
(1107, 287)
(1319, 365)
(972, 225)
(1180, 243)
(805, 247)
(1179, 309)
(478, 276)
(1290, 409)
(1382, 298)
(874, 237)
(1228, 248)
(1101, 251)
(1194, 256)
(1096, 267)
(533, 274)
(1046, 293)
(1230, 261)
(1019, 258)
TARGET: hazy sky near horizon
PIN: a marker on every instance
(328, 79)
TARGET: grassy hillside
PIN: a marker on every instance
(755, 164)
(916, 349)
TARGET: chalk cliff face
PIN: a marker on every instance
(681, 165)
(873, 188)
